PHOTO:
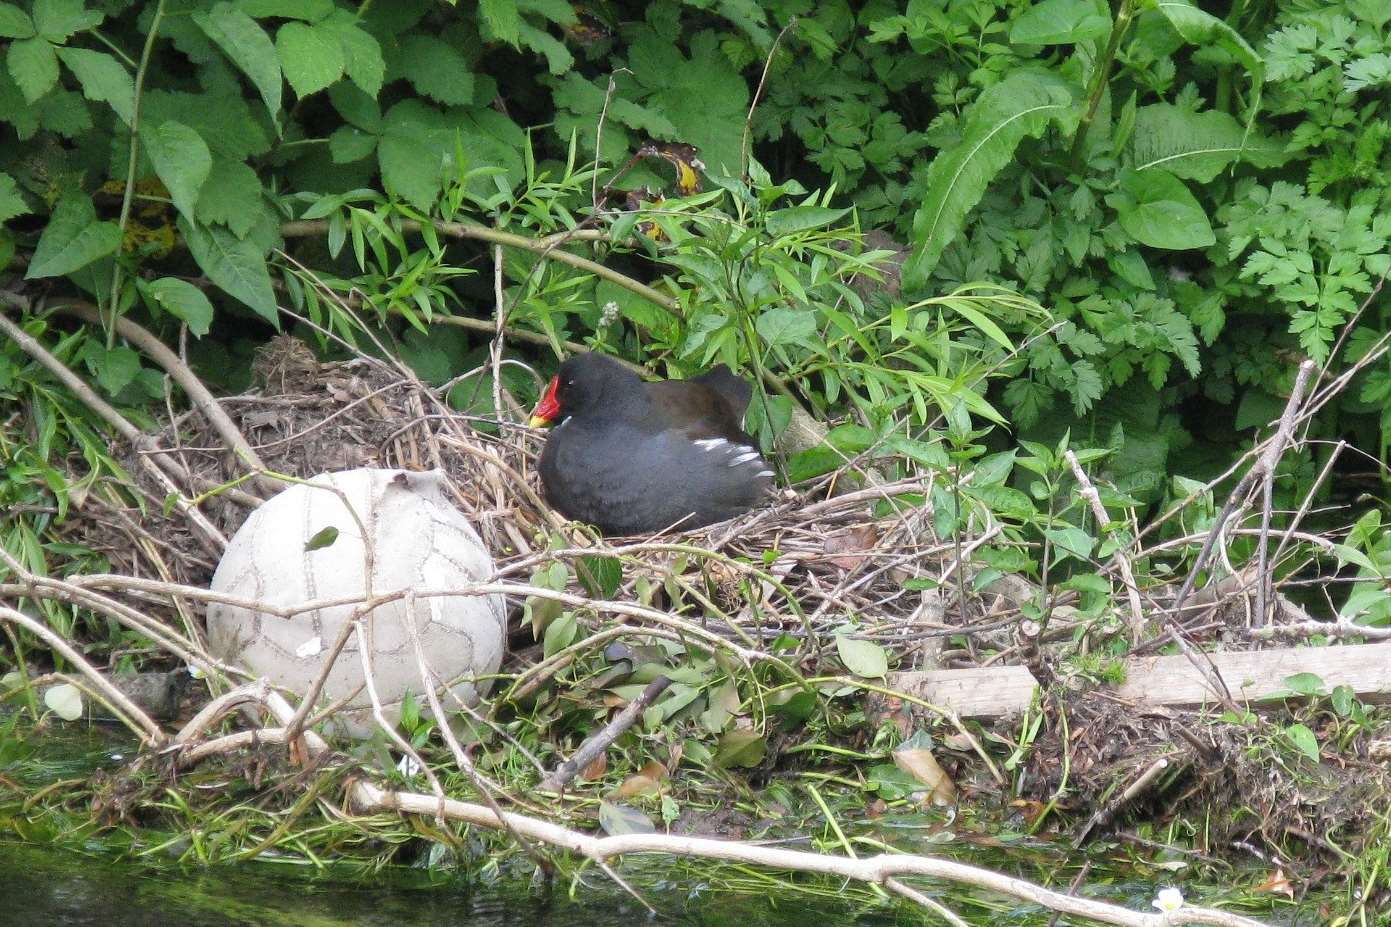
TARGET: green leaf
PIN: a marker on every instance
(1060, 22)
(502, 19)
(308, 10)
(182, 300)
(248, 46)
(782, 325)
(231, 196)
(349, 143)
(560, 633)
(600, 576)
(362, 54)
(1023, 104)
(324, 537)
(1196, 146)
(11, 203)
(311, 57)
(1199, 28)
(1304, 683)
(413, 152)
(103, 79)
(72, 239)
(15, 23)
(617, 820)
(863, 658)
(1304, 740)
(1073, 541)
(115, 369)
(1156, 209)
(56, 20)
(740, 748)
(438, 70)
(34, 67)
(236, 265)
(182, 160)
(801, 218)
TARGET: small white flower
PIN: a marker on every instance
(196, 671)
(1168, 899)
(408, 767)
(609, 315)
(312, 647)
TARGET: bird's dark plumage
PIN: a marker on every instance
(634, 457)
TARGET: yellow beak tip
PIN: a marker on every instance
(537, 421)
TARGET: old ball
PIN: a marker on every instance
(343, 537)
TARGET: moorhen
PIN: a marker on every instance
(633, 457)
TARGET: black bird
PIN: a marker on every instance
(633, 457)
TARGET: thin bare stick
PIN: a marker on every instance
(596, 744)
(129, 711)
(1106, 812)
(757, 96)
(1089, 492)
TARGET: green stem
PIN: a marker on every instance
(134, 160)
(1099, 77)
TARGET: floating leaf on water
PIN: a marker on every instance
(65, 700)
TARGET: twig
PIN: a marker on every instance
(1266, 468)
(757, 96)
(129, 711)
(1108, 811)
(201, 397)
(596, 744)
(1122, 562)
(212, 539)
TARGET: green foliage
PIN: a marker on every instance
(1194, 201)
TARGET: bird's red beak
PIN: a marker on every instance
(548, 408)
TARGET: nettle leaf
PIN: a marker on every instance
(311, 57)
(234, 264)
(1061, 22)
(415, 146)
(558, 58)
(1196, 146)
(103, 79)
(231, 196)
(362, 53)
(56, 20)
(308, 10)
(34, 67)
(15, 23)
(502, 19)
(1023, 104)
(349, 143)
(72, 239)
(182, 300)
(182, 160)
(436, 69)
(226, 121)
(704, 98)
(1156, 209)
(11, 203)
(248, 46)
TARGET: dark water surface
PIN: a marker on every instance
(89, 886)
(46, 887)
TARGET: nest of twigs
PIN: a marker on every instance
(839, 557)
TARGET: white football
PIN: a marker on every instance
(287, 554)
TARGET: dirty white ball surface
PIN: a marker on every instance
(419, 541)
